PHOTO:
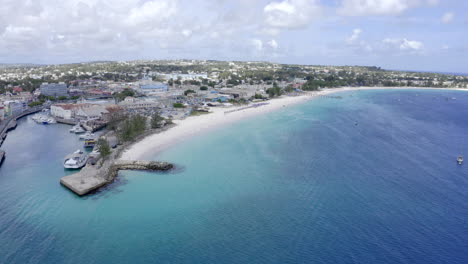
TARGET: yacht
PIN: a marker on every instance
(88, 135)
(77, 129)
(76, 160)
(460, 160)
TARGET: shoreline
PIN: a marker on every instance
(219, 117)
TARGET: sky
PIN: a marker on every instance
(425, 35)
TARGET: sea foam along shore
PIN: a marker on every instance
(218, 117)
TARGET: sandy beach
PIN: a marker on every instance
(218, 117)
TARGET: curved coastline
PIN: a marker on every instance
(218, 117)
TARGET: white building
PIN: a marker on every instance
(64, 111)
(79, 111)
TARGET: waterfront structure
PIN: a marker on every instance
(90, 111)
(132, 103)
(13, 108)
(83, 111)
(64, 111)
(54, 89)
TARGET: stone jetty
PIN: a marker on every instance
(92, 177)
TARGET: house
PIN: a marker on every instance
(17, 89)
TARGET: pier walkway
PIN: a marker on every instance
(92, 177)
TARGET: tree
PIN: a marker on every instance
(203, 88)
(156, 120)
(104, 148)
(189, 91)
(33, 104)
(61, 98)
(178, 105)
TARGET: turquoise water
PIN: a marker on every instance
(370, 178)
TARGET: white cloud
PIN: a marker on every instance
(403, 44)
(448, 17)
(290, 14)
(355, 36)
(273, 44)
(375, 7)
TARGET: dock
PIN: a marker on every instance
(93, 177)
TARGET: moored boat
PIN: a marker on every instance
(89, 143)
(76, 160)
(88, 135)
(77, 129)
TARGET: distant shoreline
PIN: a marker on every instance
(218, 117)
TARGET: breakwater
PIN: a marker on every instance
(92, 177)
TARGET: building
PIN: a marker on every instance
(64, 111)
(54, 89)
(13, 108)
(90, 111)
(80, 111)
(133, 103)
(154, 88)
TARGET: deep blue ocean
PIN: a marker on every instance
(369, 178)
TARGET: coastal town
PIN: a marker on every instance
(91, 92)
(114, 104)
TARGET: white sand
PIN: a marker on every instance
(194, 125)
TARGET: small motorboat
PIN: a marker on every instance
(77, 129)
(88, 135)
(90, 143)
(460, 160)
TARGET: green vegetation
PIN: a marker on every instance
(156, 121)
(274, 91)
(187, 92)
(121, 96)
(36, 103)
(203, 88)
(198, 113)
(258, 96)
(104, 148)
(178, 105)
(132, 127)
(62, 98)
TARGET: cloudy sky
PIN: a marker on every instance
(394, 34)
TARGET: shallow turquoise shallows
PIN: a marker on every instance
(369, 178)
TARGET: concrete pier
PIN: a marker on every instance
(91, 177)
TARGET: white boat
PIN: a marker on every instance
(87, 136)
(77, 129)
(460, 160)
(95, 153)
(76, 160)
